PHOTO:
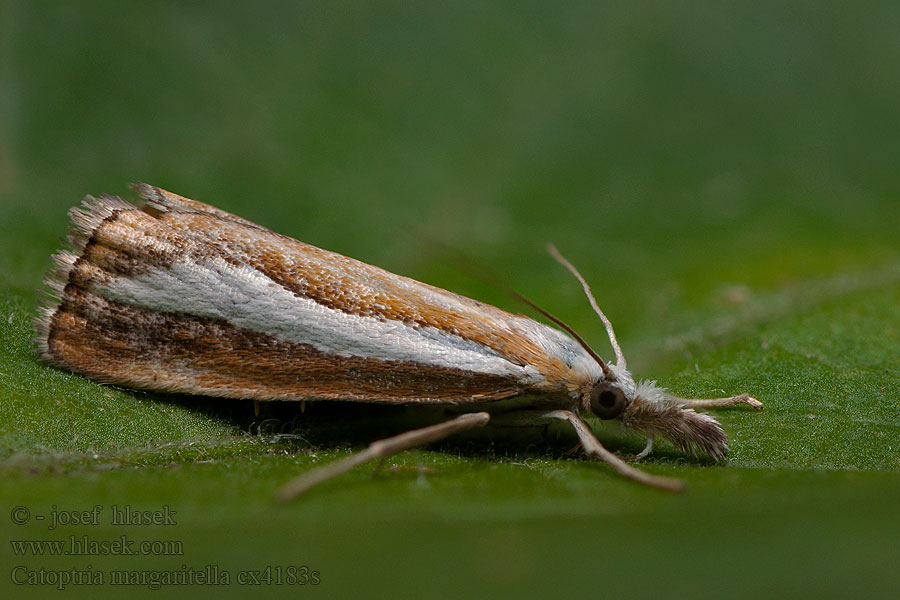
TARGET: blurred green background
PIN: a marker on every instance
(725, 174)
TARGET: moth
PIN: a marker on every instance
(178, 296)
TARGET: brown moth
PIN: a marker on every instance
(178, 296)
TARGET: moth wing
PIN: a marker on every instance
(183, 297)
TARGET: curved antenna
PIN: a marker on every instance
(493, 278)
(620, 358)
(609, 375)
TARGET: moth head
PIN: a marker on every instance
(643, 407)
(656, 413)
(652, 411)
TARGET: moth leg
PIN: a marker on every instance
(382, 449)
(717, 402)
(593, 447)
(646, 451)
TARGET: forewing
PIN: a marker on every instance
(180, 296)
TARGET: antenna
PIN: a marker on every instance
(495, 279)
(610, 376)
(620, 358)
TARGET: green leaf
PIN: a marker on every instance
(725, 177)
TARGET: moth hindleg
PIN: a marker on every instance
(382, 449)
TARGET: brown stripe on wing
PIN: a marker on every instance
(169, 201)
(121, 344)
(351, 286)
(128, 242)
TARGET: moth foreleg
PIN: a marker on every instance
(717, 402)
(593, 447)
(646, 451)
(382, 449)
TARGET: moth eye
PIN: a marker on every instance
(607, 402)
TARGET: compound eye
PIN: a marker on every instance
(607, 401)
